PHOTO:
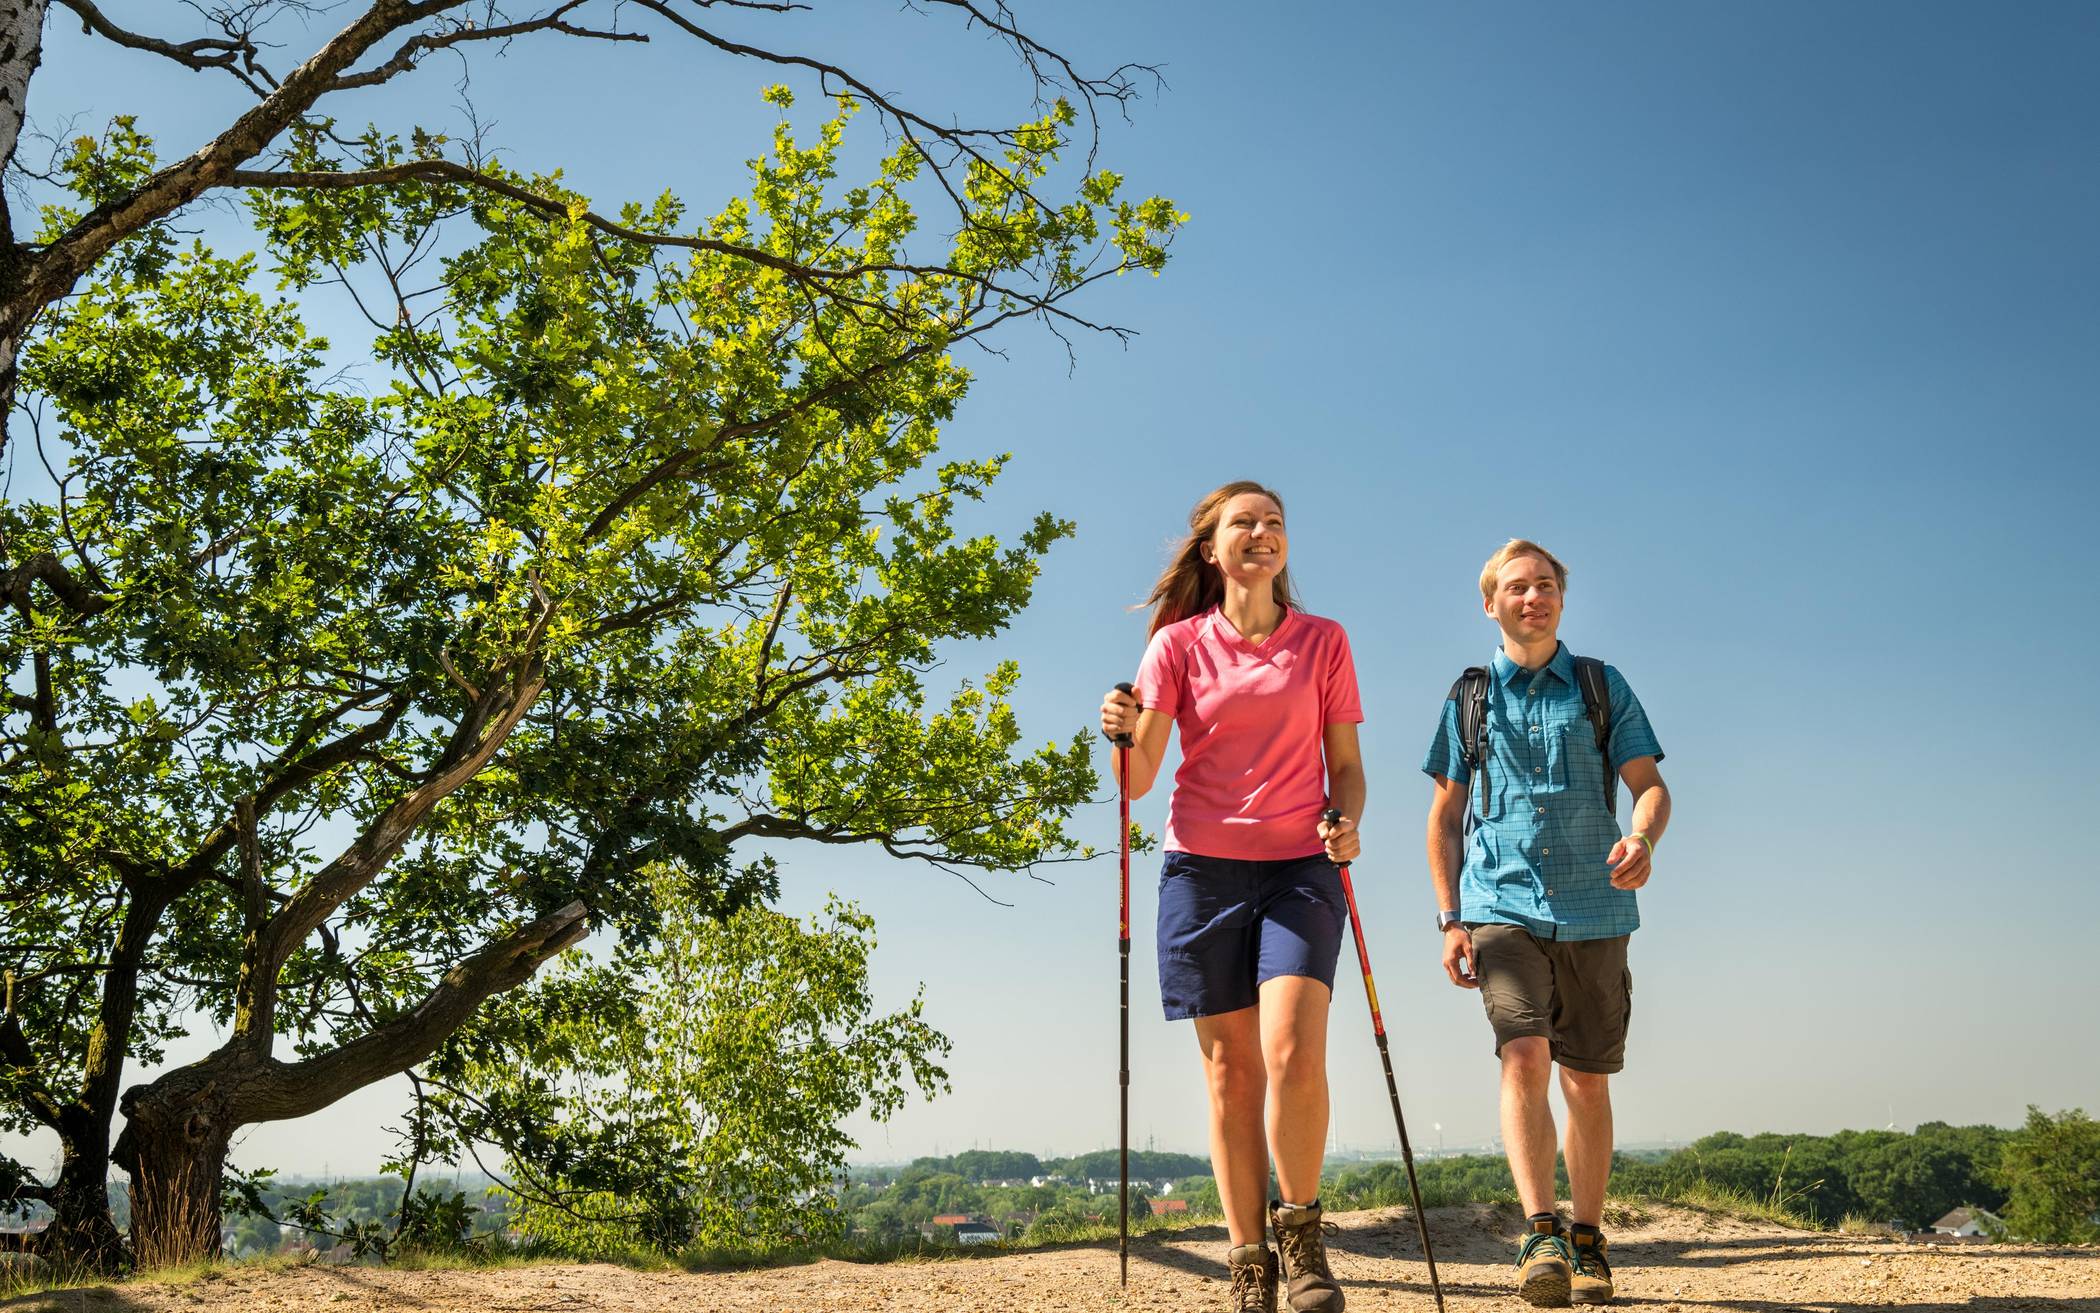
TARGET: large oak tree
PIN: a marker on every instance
(336, 705)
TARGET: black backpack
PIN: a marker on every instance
(1470, 692)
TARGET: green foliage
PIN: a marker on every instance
(1911, 1180)
(2051, 1171)
(618, 554)
(705, 1109)
(1464, 1179)
(436, 1221)
(981, 1165)
(1104, 1164)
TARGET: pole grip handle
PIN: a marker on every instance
(1124, 740)
(1333, 816)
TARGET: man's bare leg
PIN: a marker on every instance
(1527, 1120)
(1588, 1145)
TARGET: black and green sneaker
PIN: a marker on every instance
(1591, 1283)
(1545, 1265)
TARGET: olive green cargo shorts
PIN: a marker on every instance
(1576, 993)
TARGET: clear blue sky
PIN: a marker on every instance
(1776, 322)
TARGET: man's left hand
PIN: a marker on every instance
(1630, 862)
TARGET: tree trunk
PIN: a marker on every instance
(83, 1230)
(21, 50)
(174, 1146)
(178, 1128)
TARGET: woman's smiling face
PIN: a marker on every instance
(1249, 545)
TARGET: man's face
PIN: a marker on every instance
(1527, 600)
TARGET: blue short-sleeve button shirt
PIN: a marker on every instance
(1538, 858)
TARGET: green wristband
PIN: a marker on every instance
(1646, 842)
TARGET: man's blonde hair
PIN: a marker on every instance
(1510, 551)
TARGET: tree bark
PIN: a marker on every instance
(21, 50)
(174, 1147)
(178, 1128)
(82, 1228)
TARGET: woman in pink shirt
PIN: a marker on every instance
(1251, 913)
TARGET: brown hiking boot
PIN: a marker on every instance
(1253, 1278)
(1308, 1286)
(1591, 1283)
(1545, 1266)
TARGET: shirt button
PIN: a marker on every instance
(1549, 893)
(1549, 853)
(1538, 770)
(1542, 811)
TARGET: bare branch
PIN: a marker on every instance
(415, 47)
(782, 827)
(235, 53)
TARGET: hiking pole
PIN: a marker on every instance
(1363, 959)
(1123, 744)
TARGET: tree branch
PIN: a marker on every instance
(451, 171)
(44, 567)
(484, 730)
(16, 1054)
(296, 1089)
(413, 49)
(51, 272)
(290, 773)
(234, 54)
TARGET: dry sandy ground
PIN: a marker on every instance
(1673, 1261)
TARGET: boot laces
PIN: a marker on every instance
(1538, 1240)
(1304, 1249)
(1248, 1292)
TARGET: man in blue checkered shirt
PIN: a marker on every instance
(1537, 902)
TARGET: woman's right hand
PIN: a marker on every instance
(1119, 714)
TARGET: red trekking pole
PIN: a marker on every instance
(1363, 959)
(1123, 744)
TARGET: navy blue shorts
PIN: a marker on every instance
(1226, 925)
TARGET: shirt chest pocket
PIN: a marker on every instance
(1572, 760)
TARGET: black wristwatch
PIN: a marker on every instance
(1445, 920)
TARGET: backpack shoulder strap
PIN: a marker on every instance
(1470, 692)
(1596, 702)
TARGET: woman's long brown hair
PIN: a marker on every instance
(1191, 585)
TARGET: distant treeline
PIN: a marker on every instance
(979, 1166)
(2043, 1179)
(1908, 1181)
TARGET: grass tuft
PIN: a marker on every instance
(1855, 1224)
(1708, 1198)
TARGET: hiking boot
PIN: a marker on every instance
(1591, 1283)
(1545, 1266)
(1308, 1286)
(1253, 1278)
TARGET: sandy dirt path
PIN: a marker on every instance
(1673, 1261)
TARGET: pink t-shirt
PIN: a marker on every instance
(1253, 777)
